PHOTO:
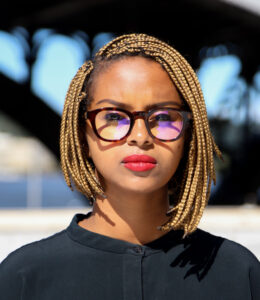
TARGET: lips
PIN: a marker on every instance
(140, 158)
(139, 162)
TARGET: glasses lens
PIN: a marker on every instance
(112, 124)
(166, 124)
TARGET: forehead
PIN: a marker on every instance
(135, 81)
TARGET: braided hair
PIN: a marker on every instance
(192, 180)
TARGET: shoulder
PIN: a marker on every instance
(229, 263)
(227, 251)
(27, 259)
(32, 253)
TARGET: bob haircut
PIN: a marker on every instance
(189, 188)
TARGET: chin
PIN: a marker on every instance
(140, 188)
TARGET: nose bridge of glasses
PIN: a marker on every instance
(139, 114)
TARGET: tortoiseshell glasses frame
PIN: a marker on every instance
(186, 118)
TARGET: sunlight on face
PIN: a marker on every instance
(136, 83)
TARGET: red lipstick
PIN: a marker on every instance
(139, 162)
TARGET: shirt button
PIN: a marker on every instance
(138, 249)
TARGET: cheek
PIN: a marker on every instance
(89, 137)
(99, 151)
(174, 156)
(178, 148)
(92, 141)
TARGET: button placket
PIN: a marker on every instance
(132, 273)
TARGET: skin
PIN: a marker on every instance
(136, 202)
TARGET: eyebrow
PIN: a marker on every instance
(149, 106)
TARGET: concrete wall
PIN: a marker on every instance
(19, 227)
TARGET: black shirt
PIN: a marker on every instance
(77, 264)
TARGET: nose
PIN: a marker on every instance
(139, 134)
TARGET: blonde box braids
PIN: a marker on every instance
(199, 170)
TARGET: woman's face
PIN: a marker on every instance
(136, 82)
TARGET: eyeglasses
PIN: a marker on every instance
(113, 124)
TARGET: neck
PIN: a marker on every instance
(133, 217)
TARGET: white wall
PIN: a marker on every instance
(19, 227)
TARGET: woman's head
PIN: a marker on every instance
(140, 70)
(135, 84)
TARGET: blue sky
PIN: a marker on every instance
(60, 56)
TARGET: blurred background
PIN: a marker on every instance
(43, 43)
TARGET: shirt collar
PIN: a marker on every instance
(106, 243)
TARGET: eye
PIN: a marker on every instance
(113, 117)
(163, 117)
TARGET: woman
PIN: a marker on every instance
(135, 140)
